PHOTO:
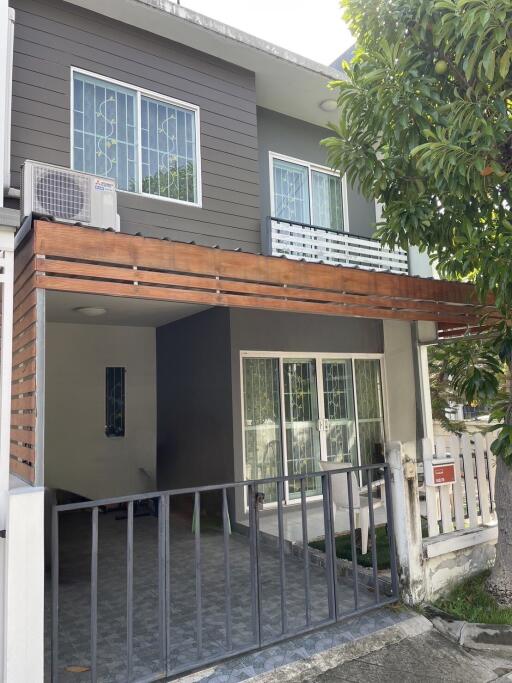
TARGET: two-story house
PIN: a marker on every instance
(237, 321)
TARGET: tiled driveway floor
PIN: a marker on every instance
(74, 615)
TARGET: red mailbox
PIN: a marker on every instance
(439, 472)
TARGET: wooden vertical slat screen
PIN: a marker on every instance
(23, 407)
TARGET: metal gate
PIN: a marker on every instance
(149, 586)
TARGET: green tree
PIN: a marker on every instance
(425, 127)
(451, 366)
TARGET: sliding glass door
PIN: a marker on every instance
(340, 421)
(262, 421)
(300, 410)
(301, 423)
(369, 412)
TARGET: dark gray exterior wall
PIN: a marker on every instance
(199, 421)
(51, 36)
(286, 135)
(194, 394)
(252, 330)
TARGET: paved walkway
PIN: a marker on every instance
(295, 657)
(183, 646)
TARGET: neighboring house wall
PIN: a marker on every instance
(79, 457)
(51, 36)
(291, 137)
(195, 442)
(274, 331)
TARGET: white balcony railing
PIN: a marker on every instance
(300, 241)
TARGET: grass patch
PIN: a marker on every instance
(344, 549)
(469, 601)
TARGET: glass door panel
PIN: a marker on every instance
(369, 412)
(341, 440)
(301, 423)
(262, 422)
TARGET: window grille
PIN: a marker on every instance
(115, 401)
(148, 145)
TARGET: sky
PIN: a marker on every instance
(311, 28)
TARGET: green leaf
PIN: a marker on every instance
(489, 62)
(504, 65)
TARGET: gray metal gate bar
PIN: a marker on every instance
(227, 570)
(55, 595)
(330, 550)
(391, 532)
(373, 538)
(167, 528)
(355, 583)
(162, 627)
(94, 596)
(304, 519)
(282, 566)
(199, 596)
(129, 593)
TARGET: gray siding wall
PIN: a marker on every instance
(194, 417)
(274, 331)
(51, 36)
(292, 137)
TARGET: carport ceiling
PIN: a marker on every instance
(61, 308)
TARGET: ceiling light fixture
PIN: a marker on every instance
(328, 105)
(90, 311)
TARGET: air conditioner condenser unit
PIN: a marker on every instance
(68, 196)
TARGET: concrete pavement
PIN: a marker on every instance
(421, 656)
(429, 658)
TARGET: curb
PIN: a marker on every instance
(310, 668)
(483, 637)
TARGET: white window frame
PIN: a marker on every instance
(318, 357)
(311, 167)
(139, 93)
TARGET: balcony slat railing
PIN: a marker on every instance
(301, 241)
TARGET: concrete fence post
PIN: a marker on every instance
(407, 518)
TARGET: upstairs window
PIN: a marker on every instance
(304, 193)
(147, 143)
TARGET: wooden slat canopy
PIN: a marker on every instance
(77, 259)
(68, 258)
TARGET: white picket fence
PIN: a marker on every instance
(469, 502)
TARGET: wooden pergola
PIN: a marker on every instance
(67, 258)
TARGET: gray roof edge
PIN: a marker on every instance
(245, 39)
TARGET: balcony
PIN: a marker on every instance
(301, 241)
